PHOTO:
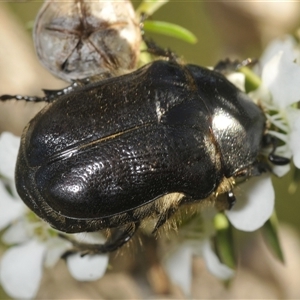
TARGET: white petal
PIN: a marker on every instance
(286, 45)
(295, 142)
(179, 268)
(9, 147)
(213, 263)
(255, 205)
(16, 234)
(10, 208)
(56, 247)
(281, 170)
(89, 237)
(88, 267)
(238, 79)
(296, 159)
(281, 76)
(21, 270)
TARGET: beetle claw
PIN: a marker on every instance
(164, 217)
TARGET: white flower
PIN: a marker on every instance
(34, 246)
(255, 197)
(278, 94)
(178, 264)
(280, 76)
(254, 205)
(88, 267)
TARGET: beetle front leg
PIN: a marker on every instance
(273, 141)
(50, 95)
(228, 66)
(23, 98)
(156, 50)
(117, 240)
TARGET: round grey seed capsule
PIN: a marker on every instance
(79, 38)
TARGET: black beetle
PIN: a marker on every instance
(114, 152)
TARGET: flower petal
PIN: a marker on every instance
(286, 45)
(213, 263)
(10, 208)
(179, 267)
(280, 170)
(295, 142)
(56, 247)
(255, 206)
(87, 267)
(280, 75)
(238, 79)
(21, 269)
(17, 233)
(9, 147)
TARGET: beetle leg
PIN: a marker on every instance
(273, 158)
(155, 50)
(256, 169)
(163, 217)
(51, 95)
(152, 47)
(117, 239)
(23, 98)
(228, 66)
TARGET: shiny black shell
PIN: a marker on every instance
(113, 146)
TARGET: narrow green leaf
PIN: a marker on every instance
(270, 234)
(295, 181)
(149, 7)
(170, 29)
(224, 241)
(252, 80)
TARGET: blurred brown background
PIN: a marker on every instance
(224, 29)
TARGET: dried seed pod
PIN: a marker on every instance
(79, 38)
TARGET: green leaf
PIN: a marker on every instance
(149, 7)
(270, 234)
(170, 29)
(252, 80)
(295, 182)
(224, 244)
